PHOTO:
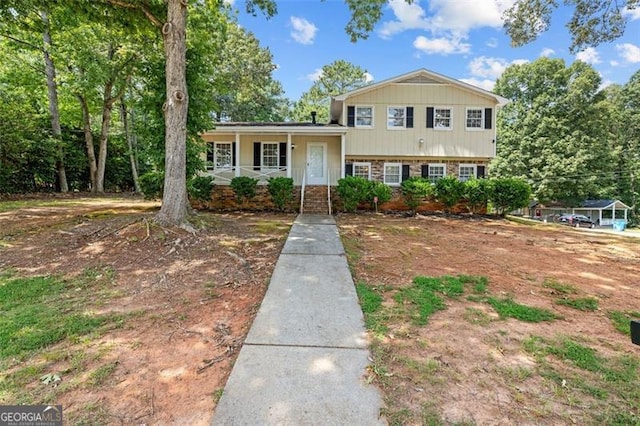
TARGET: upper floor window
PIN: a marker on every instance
(364, 116)
(466, 171)
(396, 117)
(474, 118)
(362, 170)
(219, 155)
(442, 118)
(270, 155)
(392, 173)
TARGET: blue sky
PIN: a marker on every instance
(462, 39)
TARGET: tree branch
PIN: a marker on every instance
(141, 7)
(26, 43)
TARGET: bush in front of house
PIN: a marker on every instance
(281, 190)
(476, 192)
(352, 191)
(200, 187)
(508, 194)
(414, 191)
(449, 190)
(152, 185)
(380, 190)
(244, 187)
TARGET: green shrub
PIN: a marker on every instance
(200, 187)
(281, 190)
(244, 187)
(414, 191)
(152, 185)
(353, 190)
(476, 192)
(449, 191)
(508, 194)
(380, 190)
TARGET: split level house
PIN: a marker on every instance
(417, 124)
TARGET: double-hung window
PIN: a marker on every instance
(219, 155)
(362, 170)
(442, 118)
(270, 155)
(392, 173)
(437, 171)
(474, 118)
(396, 117)
(466, 171)
(364, 116)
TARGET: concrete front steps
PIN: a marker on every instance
(315, 200)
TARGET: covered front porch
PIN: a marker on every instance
(311, 154)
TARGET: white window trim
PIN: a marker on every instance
(475, 170)
(445, 129)
(444, 168)
(262, 165)
(368, 165)
(404, 125)
(466, 118)
(214, 166)
(355, 118)
(384, 173)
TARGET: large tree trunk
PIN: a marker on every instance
(52, 88)
(107, 107)
(175, 204)
(131, 144)
(88, 139)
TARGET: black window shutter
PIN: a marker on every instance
(210, 150)
(430, 113)
(405, 172)
(480, 172)
(409, 117)
(351, 116)
(234, 160)
(348, 169)
(425, 171)
(488, 116)
(257, 148)
(283, 154)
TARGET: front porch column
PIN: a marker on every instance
(343, 155)
(289, 155)
(237, 154)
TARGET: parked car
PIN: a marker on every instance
(576, 220)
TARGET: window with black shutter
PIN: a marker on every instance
(351, 116)
(480, 172)
(405, 172)
(234, 160)
(430, 117)
(424, 171)
(283, 154)
(348, 169)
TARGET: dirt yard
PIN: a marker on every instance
(190, 299)
(467, 366)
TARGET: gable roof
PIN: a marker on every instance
(604, 204)
(423, 76)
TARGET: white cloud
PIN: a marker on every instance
(315, 76)
(491, 67)
(614, 63)
(546, 52)
(589, 56)
(492, 42)
(408, 17)
(303, 31)
(629, 52)
(633, 14)
(483, 84)
(443, 46)
(368, 77)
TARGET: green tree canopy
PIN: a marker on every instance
(336, 78)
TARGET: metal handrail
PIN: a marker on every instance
(302, 189)
(329, 190)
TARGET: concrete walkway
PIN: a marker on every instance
(305, 356)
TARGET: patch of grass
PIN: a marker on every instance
(371, 302)
(421, 301)
(581, 356)
(6, 206)
(40, 311)
(100, 375)
(582, 304)
(217, 394)
(352, 248)
(559, 287)
(622, 320)
(270, 228)
(507, 308)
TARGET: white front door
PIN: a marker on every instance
(316, 163)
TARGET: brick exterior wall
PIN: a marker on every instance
(415, 166)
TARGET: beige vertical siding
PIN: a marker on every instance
(457, 142)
